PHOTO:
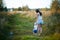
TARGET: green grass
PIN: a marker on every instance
(31, 37)
(23, 25)
(23, 29)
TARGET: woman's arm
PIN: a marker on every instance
(36, 16)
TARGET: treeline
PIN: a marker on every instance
(24, 8)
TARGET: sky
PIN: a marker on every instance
(32, 4)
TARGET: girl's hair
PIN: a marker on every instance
(37, 11)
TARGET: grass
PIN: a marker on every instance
(31, 37)
(23, 29)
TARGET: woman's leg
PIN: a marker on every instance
(39, 29)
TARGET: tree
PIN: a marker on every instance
(5, 9)
(55, 6)
(1, 5)
(4, 23)
(19, 9)
(54, 19)
(25, 8)
(2, 8)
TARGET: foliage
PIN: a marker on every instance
(53, 21)
(7, 24)
(55, 7)
(19, 9)
(24, 8)
(4, 27)
(2, 8)
(31, 37)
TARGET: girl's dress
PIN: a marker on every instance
(39, 19)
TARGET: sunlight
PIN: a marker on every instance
(31, 3)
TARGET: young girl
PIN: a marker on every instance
(39, 21)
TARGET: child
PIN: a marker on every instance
(39, 21)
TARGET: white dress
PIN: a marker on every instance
(39, 19)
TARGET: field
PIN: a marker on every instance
(24, 31)
(22, 26)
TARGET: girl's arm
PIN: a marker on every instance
(36, 16)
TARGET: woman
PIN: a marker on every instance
(39, 21)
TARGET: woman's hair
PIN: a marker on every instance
(37, 11)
